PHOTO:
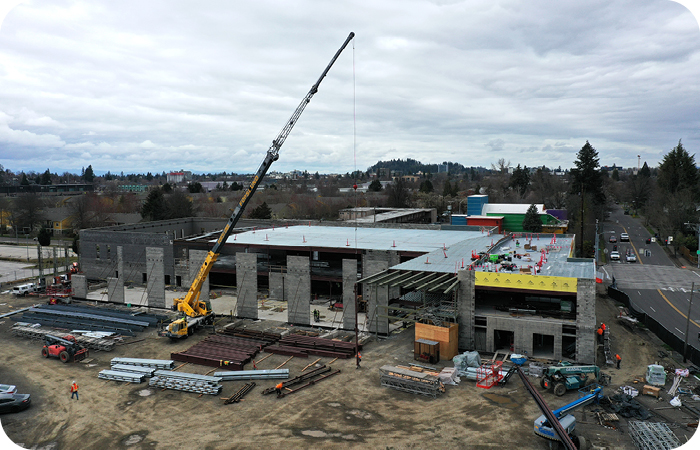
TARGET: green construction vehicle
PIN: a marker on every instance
(566, 376)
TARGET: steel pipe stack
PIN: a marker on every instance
(253, 374)
(153, 363)
(189, 382)
(117, 375)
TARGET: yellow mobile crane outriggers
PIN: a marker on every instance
(196, 312)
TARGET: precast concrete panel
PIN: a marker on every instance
(79, 286)
(298, 290)
(115, 291)
(277, 286)
(466, 305)
(585, 321)
(349, 280)
(377, 296)
(155, 277)
(247, 280)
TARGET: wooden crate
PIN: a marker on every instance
(426, 351)
(651, 390)
(446, 336)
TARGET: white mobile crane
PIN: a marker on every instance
(197, 312)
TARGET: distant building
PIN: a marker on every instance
(176, 177)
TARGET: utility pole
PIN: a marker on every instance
(687, 323)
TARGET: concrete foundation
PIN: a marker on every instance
(155, 278)
(79, 286)
(247, 280)
(298, 290)
(377, 296)
(349, 280)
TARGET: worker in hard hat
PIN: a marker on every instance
(74, 390)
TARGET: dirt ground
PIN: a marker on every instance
(349, 410)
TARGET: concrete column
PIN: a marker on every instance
(196, 259)
(466, 306)
(277, 286)
(119, 289)
(377, 296)
(585, 321)
(298, 290)
(115, 292)
(349, 280)
(155, 277)
(79, 286)
(247, 280)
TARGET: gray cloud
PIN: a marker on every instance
(158, 86)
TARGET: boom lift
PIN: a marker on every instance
(567, 376)
(197, 312)
(544, 429)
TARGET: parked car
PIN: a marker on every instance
(614, 256)
(8, 389)
(24, 289)
(624, 237)
(14, 402)
(613, 239)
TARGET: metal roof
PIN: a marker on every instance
(509, 208)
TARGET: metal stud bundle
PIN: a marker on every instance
(153, 363)
(118, 375)
(189, 382)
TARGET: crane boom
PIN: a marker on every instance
(190, 304)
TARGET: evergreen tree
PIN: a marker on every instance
(167, 188)
(195, 188)
(375, 186)
(645, 171)
(45, 178)
(44, 236)
(261, 212)
(586, 177)
(677, 171)
(531, 221)
(155, 207)
(426, 187)
(447, 189)
(178, 205)
(520, 180)
(88, 174)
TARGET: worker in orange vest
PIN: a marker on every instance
(278, 388)
(617, 357)
(359, 359)
(602, 325)
(74, 391)
(600, 335)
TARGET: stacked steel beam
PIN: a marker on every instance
(266, 336)
(26, 331)
(153, 363)
(142, 370)
(295, 345)
(118, 375)
(221, 351)
(253, 374)
(189, 382)
(410, 381)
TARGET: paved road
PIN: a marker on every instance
(655, 284)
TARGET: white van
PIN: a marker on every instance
(24, 289)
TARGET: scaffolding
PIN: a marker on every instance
(652, 436)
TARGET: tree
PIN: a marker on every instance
(178, 205)
(520, 180)
(399, 196)
(261, 212)
(645, 171)
(167, 188)
(586, 177)
(531, 221)
(195, 188)
(89, 175)
(677, 171)
(25, 211)
(375, 186)
(155, 207)
(44, 236)
(25, 181)
(46, 178)
(615, 175)
(426, 187)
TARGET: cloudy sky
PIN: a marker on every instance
(157, 85)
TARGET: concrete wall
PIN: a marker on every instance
(465, 309)
(349, 280)
(155, 282)
(79, 286)
(298, 290)
(115, 290)
(276, 283)
(585, 321)
(377, 296)
(247, 280)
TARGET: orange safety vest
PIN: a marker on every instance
(602, 326)
(600, 331)
(279, 386)
(617, 357)
(74, 387)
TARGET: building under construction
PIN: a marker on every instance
(519, 292)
